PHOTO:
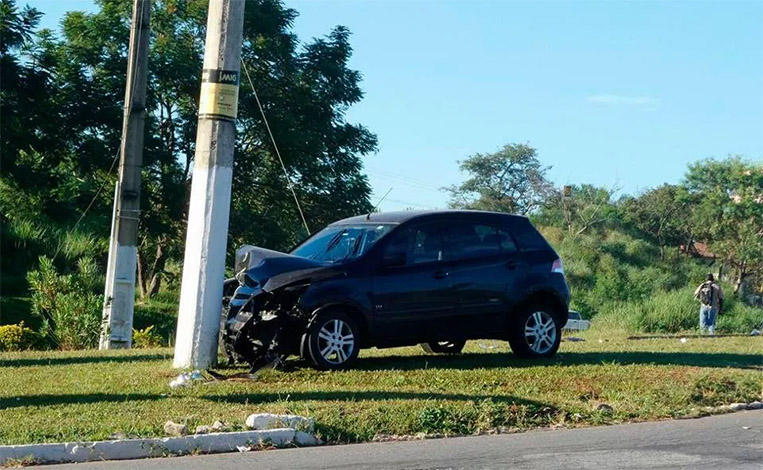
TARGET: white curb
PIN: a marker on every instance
(157, 447)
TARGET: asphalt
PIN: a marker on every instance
(731, 441)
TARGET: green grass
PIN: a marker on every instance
(61, 396)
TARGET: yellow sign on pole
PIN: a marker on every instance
(219, 94)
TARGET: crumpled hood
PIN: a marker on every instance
(273, 269)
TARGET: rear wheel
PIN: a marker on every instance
(333, 341)
(443, 347)
(535, 332)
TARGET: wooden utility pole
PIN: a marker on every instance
(119, 298)
(204, 265)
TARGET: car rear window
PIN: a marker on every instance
(474, 240)
(528, 238)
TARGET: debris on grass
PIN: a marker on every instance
(573, 339)
(185, 379)
(174, 429)
(203, 429)
(219, 426)
(605, 408)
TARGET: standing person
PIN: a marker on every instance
(710, 297)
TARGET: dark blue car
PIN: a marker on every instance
(435, 278)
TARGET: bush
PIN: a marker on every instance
(159, 313)
(18, 338)
(146, 338)
(68, 304)
(669, 312)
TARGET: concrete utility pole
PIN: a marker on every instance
(204, 265)
(119, 297)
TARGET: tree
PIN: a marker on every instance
(579, 208)
(661, 214)
(728, 195)
(305, 90)
(510, 180)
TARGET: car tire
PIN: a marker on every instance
(535, 331)
(333, 341)
(443, 347)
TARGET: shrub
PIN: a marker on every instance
(68, 304)
(669, 312)
(18, 338)
(146, 338)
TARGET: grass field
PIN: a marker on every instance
(60, 396)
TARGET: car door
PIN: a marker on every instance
(412, 288)
(486, 267)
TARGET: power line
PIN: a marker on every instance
(272, 139)
(413, 182)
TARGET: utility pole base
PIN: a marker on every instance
(204, 265)
(201, 293)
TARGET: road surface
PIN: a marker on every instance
(731, 441)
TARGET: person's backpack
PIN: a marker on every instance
(706, 293)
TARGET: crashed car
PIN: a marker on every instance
(435, 278)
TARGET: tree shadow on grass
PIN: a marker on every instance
(75, 399)
(64, 360)
(500, 360)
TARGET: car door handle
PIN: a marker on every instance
(440, 274)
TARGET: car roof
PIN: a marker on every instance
(398, 217)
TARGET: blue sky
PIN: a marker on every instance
(608, 92)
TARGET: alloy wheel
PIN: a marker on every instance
(540, 332)
(336, 341)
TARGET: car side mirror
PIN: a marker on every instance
(392, 260)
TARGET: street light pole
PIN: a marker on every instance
(119, 295)
(204, 263)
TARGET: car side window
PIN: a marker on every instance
(471, 240)
(507, 242)
(420, 243)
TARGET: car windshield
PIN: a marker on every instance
(340, 243)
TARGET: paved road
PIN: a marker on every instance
(732, 441)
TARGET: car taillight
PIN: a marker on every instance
(557, 267)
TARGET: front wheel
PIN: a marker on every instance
(443, 347)
(535, 332)
(333, 341)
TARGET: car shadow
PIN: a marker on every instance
(501, 360)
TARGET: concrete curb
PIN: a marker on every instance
(126, 449)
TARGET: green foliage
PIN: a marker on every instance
(578, 208)
(69, 304)
(18, 338)
(510, 180)
(160, 313)
(146, 338)
(728, 199)
(51, 173)
(621, 281)
(676, 311)
(661, 215)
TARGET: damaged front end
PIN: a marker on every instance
(264, 322)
